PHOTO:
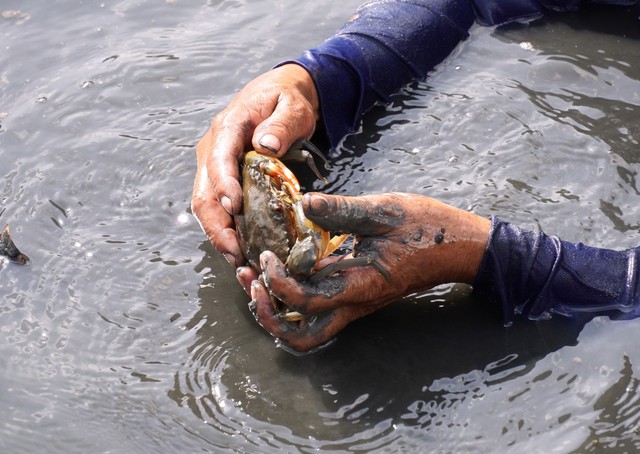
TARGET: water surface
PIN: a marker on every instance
(128, 333)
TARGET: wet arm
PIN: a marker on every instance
(535, 275)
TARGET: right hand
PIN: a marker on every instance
(267, 115)
(417, 241)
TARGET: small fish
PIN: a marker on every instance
(9, 249)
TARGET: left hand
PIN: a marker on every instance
(419, 241)
(269, 114)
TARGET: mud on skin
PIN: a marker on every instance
(361, 218)
(299, 337)
(327, 288)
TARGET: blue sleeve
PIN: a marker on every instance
(387, 43)
(534, 275)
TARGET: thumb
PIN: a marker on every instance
(291, 120)
(364, 215)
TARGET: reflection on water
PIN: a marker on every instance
(128, 333)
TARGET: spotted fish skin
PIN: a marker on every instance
(9, 249)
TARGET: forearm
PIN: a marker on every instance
(536, 275)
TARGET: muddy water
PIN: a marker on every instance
(128, 333)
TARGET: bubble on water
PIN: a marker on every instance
(184, 218)
(526, 45)
(87, 84)
(43, 341)
(41, 100)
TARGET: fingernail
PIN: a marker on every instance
(270, 142)
(230, 258)
(240, 276)
(316, 204)
(253, 307)
(255, 286)
(226, 204)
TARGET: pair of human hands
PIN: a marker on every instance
(418, 241)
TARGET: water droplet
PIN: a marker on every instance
(44, 340)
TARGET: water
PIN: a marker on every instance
(128, 333)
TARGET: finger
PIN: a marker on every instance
(362, 288)
(246, 275)
(214, 220)
(291, 120)
(299, 336)
(292, 116)
(260, 299)
(364, 215)
(221, 150)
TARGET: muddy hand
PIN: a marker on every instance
(418, 241)
(267, 115)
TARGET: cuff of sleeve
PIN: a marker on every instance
(535, 275)
(339, 88)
